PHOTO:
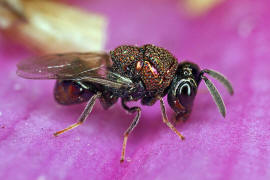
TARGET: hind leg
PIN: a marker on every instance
(87, 110)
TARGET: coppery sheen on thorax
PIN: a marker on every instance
(154, 66)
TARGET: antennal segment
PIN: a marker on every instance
(221, 78)
(215, 95)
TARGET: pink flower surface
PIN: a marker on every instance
(233, 38)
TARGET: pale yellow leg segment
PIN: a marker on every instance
(68, 128)
(124, 148)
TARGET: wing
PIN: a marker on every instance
(92, 67)
(62, 66)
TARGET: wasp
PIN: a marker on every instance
(130, 73)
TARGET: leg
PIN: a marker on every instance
(87, 110)
(166, 121)
(149, 101)
(131, 127)
(107, 99)
(181, 116)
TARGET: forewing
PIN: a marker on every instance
(62, 66)
(92, 67)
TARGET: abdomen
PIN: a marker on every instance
(68, 92)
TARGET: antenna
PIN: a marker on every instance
(213, 90)
(221, 78)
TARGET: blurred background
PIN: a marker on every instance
(230, 36)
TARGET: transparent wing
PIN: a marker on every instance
(62, 66)
(92, 67)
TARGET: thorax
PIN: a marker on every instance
(152, 66)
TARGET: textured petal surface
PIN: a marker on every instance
(233, 38)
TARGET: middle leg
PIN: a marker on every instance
(131, 126)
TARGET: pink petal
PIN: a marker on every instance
(233, 38)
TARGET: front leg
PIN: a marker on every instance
(166, 121)
(181, 116)
(131, 126)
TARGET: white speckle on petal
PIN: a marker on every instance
(17, 87)
(245, 27)
(128, 159)
(41, 177)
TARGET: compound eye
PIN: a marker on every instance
(185, 90)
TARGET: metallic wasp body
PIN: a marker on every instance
(131, 73)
